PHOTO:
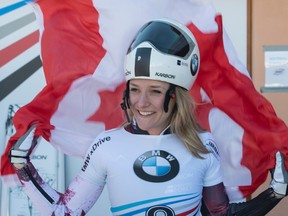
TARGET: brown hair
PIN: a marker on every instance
(184, 123)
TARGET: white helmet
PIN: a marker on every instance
(163, 50)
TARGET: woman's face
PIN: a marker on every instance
(146, 103)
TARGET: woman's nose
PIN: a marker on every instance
(143, 100)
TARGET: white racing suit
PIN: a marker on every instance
(147, 175)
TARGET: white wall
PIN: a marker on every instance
(234, 18)
(235, 22)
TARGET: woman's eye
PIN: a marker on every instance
(133, 89)
(156, 92)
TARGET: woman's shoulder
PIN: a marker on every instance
(113, 131)
(108, 134)
(209, 142)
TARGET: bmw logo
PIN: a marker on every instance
(156, 166)
(194, 64)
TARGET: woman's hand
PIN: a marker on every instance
(21, 150)
(279, 176)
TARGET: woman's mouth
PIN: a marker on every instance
(145, 113)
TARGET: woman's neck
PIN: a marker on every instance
(135, 129)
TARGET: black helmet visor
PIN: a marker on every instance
(165, 38)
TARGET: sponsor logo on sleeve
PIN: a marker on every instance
(94, 147)
(213, 147)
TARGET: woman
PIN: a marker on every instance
(159, 163)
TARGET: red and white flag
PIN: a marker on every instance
(83, 45)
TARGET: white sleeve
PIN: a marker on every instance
(213, 173)
(78, 198)
(94, 165)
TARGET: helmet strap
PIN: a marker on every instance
(125, 104)
(169, 94)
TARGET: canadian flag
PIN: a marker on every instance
(83, 45)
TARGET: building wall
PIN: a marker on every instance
(269, 28)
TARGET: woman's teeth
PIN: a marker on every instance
(145, 113)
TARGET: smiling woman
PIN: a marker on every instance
(146, 103)
(161, 152)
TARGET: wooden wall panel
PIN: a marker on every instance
(268, 25)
